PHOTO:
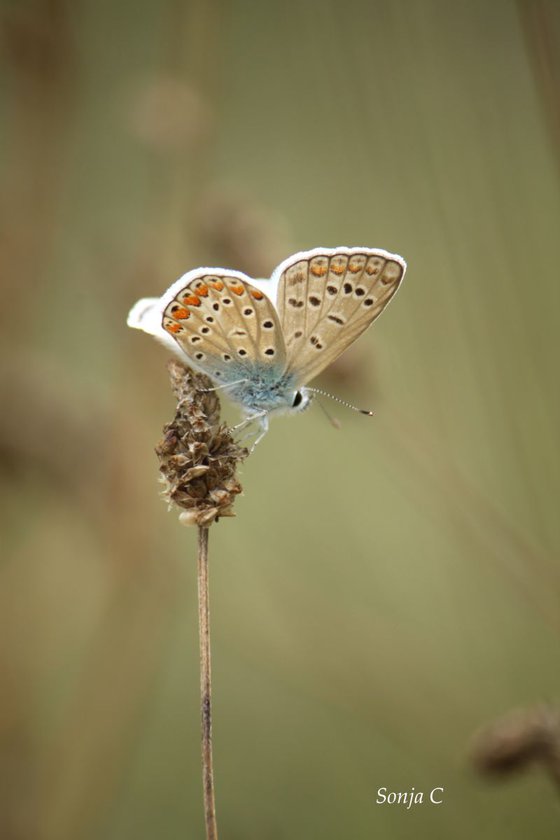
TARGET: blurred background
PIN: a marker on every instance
(385, 589)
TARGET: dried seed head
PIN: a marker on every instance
(198, 456)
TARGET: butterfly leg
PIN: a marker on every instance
(262, 417)
(222, 387)
(264, 423)
(248, 420)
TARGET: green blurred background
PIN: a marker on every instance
(385, 589)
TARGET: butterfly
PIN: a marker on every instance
(262, 341)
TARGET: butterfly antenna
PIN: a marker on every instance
(338, 400)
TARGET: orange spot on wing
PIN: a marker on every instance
(191, 300)
(173, 328)
(216, 284)
(371, 269)
(181, 314)
(237, 290)
(256, 294)
(338, 269)
(319, 270)
(202, 290)
(355, 267)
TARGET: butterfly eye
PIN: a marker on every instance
(298, 399)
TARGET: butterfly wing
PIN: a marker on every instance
(327, 297)
(223, 324)
(145, 315)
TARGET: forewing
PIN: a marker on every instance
(327, 297)
(223, 323)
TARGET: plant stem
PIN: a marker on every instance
(206, 686)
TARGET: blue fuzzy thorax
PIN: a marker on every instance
(267, 387)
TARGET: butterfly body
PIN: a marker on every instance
(267, 389)
(263, 340)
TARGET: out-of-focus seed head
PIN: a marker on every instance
(522, 738)
(197, 454)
